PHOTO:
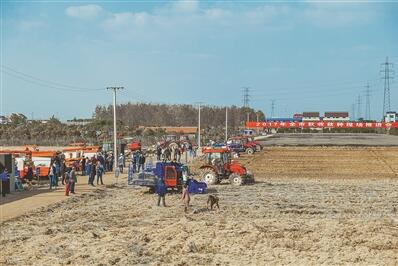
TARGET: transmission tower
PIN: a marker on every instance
(272, 108)
(367, 108)
(246, 96)
(359, 106)
(387, 72)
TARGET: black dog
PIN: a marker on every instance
(212, 200)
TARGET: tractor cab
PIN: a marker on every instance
(172, 173)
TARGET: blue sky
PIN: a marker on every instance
(57, 57)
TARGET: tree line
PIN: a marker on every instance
(20, 131)
(148, 114)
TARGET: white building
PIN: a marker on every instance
(336, 117)
(3, 120)
(311, 116)
(391, 117)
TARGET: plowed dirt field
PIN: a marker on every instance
(309, 206)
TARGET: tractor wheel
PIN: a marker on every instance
(235, 179)
(209, 177)
(259, 147)
(249, 151)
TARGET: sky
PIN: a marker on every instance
(58, 57)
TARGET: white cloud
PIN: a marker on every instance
(120, 21)
(83, 12)
(187, 15)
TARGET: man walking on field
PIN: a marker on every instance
(161, 190)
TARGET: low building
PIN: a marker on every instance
(391, 117)
(79, 122)
(311, 116)
(336, 117)
(42, 121)
(3, 120)
(298, 117)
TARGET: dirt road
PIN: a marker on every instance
(20, 203)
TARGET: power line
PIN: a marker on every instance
(42, 82)
(246, 96)
(342, 86)
(388, 72)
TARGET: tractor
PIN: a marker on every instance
(239, 144)
(173, 174)
(254, 142)
(219, 166)
(249, 142)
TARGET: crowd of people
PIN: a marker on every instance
(94, 168)
(174, 153)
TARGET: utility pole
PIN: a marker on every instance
(199, 108)
(359, 106)
(226, 123)
(272, 108)
(388, 72)
(367, 108)
(115, 154)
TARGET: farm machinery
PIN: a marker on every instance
(248, 143)
(243, 144)
(135, 145)
(219, 166)
(174, 175)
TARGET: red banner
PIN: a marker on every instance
(321, 124)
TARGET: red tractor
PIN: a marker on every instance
(250, 141)
(219, 166)
(244, 145)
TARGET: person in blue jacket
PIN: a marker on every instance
(161, 190)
